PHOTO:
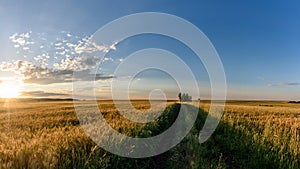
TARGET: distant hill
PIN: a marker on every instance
(38, 99)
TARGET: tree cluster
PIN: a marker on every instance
(184, 97)
(294, 102)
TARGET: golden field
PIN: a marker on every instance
(47, 134)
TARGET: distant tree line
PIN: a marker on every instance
(184, 97)
(294, 102)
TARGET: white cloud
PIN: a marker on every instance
(56, 58)
(70, 45)
(60, 53)
(113, 46)
(42, 75)
(87, 45)
(12, 37)
(25, 35)
(108, 59)
(25, 48)
(29, 43)
(58, 44)
(21, 39)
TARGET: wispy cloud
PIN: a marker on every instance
(44, 94)
(284, 84)
(56, 60)
(65, 45)
(262, 78)
(41, 75)
(270, 84)
(87, 45)
(22, 39)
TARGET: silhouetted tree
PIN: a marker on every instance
(179, 96)
(184, 97)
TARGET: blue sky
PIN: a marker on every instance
(257, 41)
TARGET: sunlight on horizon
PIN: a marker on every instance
(10, 88)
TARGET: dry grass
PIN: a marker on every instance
(269, 131)
(47, 134)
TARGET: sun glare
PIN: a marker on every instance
(10, 88)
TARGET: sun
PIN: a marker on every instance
(10, 88)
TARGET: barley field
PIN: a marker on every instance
(251, 134)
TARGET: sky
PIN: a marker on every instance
(42, 42)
